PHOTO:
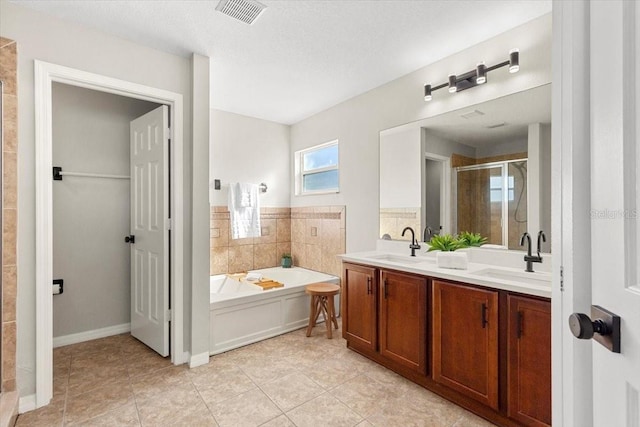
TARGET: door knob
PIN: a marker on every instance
(605, 329)
(583, 328)
(130, 238)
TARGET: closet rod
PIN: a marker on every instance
(58, 174)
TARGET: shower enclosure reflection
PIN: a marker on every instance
(492, 200)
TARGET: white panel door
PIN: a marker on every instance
(615, 196)
(149, 214)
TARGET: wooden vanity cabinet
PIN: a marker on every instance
(529, 360)
(465, 340)
(359, 307)
(403, 319)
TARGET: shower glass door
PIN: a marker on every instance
(492, 201)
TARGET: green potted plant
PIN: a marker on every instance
(444, 243)
(470, 240)
(286, 261)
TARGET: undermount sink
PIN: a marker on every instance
(401, 259)
(535, 278)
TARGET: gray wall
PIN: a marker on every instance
(358, 121)
(432, 178)
(91, 216)
(49, 39)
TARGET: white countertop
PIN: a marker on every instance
(494, 275)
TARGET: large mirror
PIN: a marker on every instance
(484, 169)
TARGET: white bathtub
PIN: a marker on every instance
(242, 313)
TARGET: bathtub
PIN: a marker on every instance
(242, 313)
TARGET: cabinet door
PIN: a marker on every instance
(465, 340)
(529, 364)
(359, 306)
(403, 319)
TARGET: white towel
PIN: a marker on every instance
(244, 210)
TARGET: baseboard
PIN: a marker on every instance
(27, 403)
(199, 359)
(91, 335)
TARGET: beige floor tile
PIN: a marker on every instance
(471, 420)
(292, 390)
(146, 363)
(221, 382)
(85, 380)
(247, 409)
(47, 416)
(181, 407)
(281, 421)
(126, 416)
(365, 423)
(331, 372)
(263, 371)
(100, 401)
(324, 410)
(162, 382)
(362, 394)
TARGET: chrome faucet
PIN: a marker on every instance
(414, 244)
(530, 259)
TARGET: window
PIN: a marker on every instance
(317, 169)
(495, 184)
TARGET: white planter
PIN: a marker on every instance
(455, 260)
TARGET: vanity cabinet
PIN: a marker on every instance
(359, 307)
(403, 319)
(529, 360)
(465, 340)
(485, 349)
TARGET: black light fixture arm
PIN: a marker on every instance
(478, 76)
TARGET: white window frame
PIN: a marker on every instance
(300, 173)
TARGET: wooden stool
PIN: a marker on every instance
(322, 302)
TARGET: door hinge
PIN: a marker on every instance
(167, 317)
(168, 133)
(167, 224)
(561, 279)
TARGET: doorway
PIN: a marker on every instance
(436, 195)
(91, 212)
(45, 75)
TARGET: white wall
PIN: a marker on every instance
(358, 121)
(246, 149)
(49, 39)
(400, 170)
(91, 216)
(509, 147)
(539, 181)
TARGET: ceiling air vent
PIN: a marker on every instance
(471, 114)
(246, 11)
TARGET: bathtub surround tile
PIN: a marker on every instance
(282, 248)
(8, 352)
(219, 261)
(298, 251)
(268, 230)
(240, 258)
(10, 129)
(313, 257)
(8, 67)
(9, 289)
(283, 230)
(265, 255)
(10, 180)
(9, 232)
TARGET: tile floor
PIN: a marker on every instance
(290, 380)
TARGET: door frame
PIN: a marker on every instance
(45, 75)
(445, 190)
(572, 385)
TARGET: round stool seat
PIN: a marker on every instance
(322, 302)
(325, 289)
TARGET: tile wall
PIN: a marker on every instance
(8, 66)
(394, 220)
(313, 235)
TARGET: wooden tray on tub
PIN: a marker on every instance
(268, 284)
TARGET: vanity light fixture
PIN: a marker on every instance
(473, 78)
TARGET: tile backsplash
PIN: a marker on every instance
(313, 235)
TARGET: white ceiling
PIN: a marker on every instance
(301, 56)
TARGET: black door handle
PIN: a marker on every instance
(130, 239)
(605, 329)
